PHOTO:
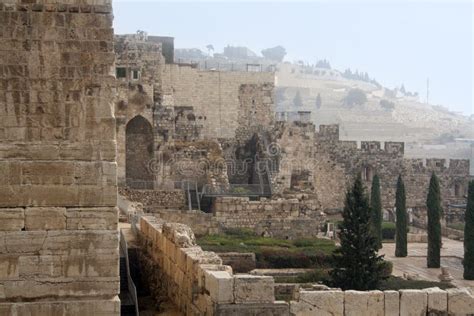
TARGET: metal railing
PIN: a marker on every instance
(131, 286)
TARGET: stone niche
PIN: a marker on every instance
(58, 237)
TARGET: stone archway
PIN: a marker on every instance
(138, 153)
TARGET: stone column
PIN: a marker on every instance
(58, 188)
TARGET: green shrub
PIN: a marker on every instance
(317, 275)
(387, 268)
(287, 259)
(388, 231)
(240, 232)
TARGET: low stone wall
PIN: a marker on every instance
(285, 218)
(164, 199)
(199, 284)
(420, 238)
(196, 281)
(201, 223)
(240, 262)
(452, 233)
(433, 301)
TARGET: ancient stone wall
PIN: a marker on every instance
(285, 218)
(196, 281)
(331, 165)
(137, 68)
(150, 199)
(199, 284)
(216, 96)
(59, 241)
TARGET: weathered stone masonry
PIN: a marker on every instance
(199, 284)
(330, 164)
(58, 237)
(181, 105)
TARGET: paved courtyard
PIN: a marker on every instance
(452, 253)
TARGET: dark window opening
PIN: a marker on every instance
(121, 72)
(135, 74)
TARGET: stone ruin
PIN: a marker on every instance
(214, 134)
(199, 284)
(83, 111)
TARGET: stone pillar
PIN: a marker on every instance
(58, 188)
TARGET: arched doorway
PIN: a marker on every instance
(138, 153)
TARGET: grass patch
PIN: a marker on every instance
(273, 252)
(316, 276)
(388, 231)
(457, 226)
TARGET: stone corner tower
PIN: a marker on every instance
(58, 216)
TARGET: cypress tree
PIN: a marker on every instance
(357, 265)
(319, 102)
(376, 210)
(401, 218)
(433, 204)
(469, 235)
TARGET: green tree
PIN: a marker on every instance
(402, 223)
(433, 204)
(355, 97)
(469, 235)
(357, 265)
(376, 210)
(318, 101)
(297, 101)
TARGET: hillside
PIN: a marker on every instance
(428, 130)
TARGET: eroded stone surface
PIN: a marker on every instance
(324, 303)
(364, 303)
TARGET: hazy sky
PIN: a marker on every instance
(395, 42)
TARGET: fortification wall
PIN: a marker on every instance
(331, 165)
(215, 95)
(196, 281)
(58, 196)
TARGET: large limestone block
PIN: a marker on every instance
(12, 219)
(182, 253)
(194, 259)
(437, 301)
(369, 303)
(278, 308)
(92, 218)
(78, 242)
(392, 303)
(61, 287)
(39, 266)
(413, 302)
(323, 303)
(22, 241)
(203, 269)
(253, 289)
(181, 235)
(102, 307)
(45, 218)
(8, 267)
(64, 195)
(460, 302)
(220, 285)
